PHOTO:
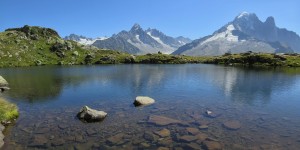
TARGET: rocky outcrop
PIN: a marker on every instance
(1, 135)
(143, 100)
(90, 115)
(3, 84)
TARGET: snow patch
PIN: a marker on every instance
(90, 42)
(226, 35)
(168, 49)
(243, 14)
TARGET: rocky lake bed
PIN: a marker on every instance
(200, 113)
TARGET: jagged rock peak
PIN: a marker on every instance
(136, 27)
(270, 21)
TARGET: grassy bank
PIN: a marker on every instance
(257, 59)
(8, 111)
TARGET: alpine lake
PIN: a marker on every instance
(197, 106)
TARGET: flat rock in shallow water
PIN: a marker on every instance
(39, 141)
(212, 145)
(201, 136)
(90, 115)
(193, 146)
(143, 100)
(162, 121)
(163, 133)
(116, 139)
(187, 138)
(232, 125)
(192, 131)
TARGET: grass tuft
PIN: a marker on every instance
(8, 111)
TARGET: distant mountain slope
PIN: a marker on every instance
(245, 33)
(139, 41)
(82, 39)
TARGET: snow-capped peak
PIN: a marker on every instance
(243, 14)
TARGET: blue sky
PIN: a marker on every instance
(190, 18)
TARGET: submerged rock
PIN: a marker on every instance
(143, 100)
(211, 114)
(232, 125)
(116, 139)
(162, 121)
(163, 133)
(192, 131)
(212, 145)
(187, 138)
(90, 115)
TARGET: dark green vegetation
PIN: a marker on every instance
(8, 111)
(257, 59)
(35, 46)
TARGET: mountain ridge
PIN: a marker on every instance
(245, 33)
(135, 41)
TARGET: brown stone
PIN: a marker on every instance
(149, 136)
(165, 142)
(162, 121)
(163, 133)
(187, 138)
(38, 141)
(192, 131)
(232, 125)
(163, 148)
(201, 136)
(212, 145)
(116, 139)
(193, 146)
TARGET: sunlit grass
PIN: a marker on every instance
(8, 111)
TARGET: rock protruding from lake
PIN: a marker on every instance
(211, 114)
(90, 115)
(143, 100)
(162, 121)
(1, 135)
(3, 84)
(232, 125)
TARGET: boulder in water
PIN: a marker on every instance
(143, 100)
(90, 115)
(3, 84)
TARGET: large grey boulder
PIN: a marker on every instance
(143, 100)
(90, 115)
(1, 135)
(3, 84)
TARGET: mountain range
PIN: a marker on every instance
(82, 39)
(135, 41)
(245, 33)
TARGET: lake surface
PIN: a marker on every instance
(262, 104)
